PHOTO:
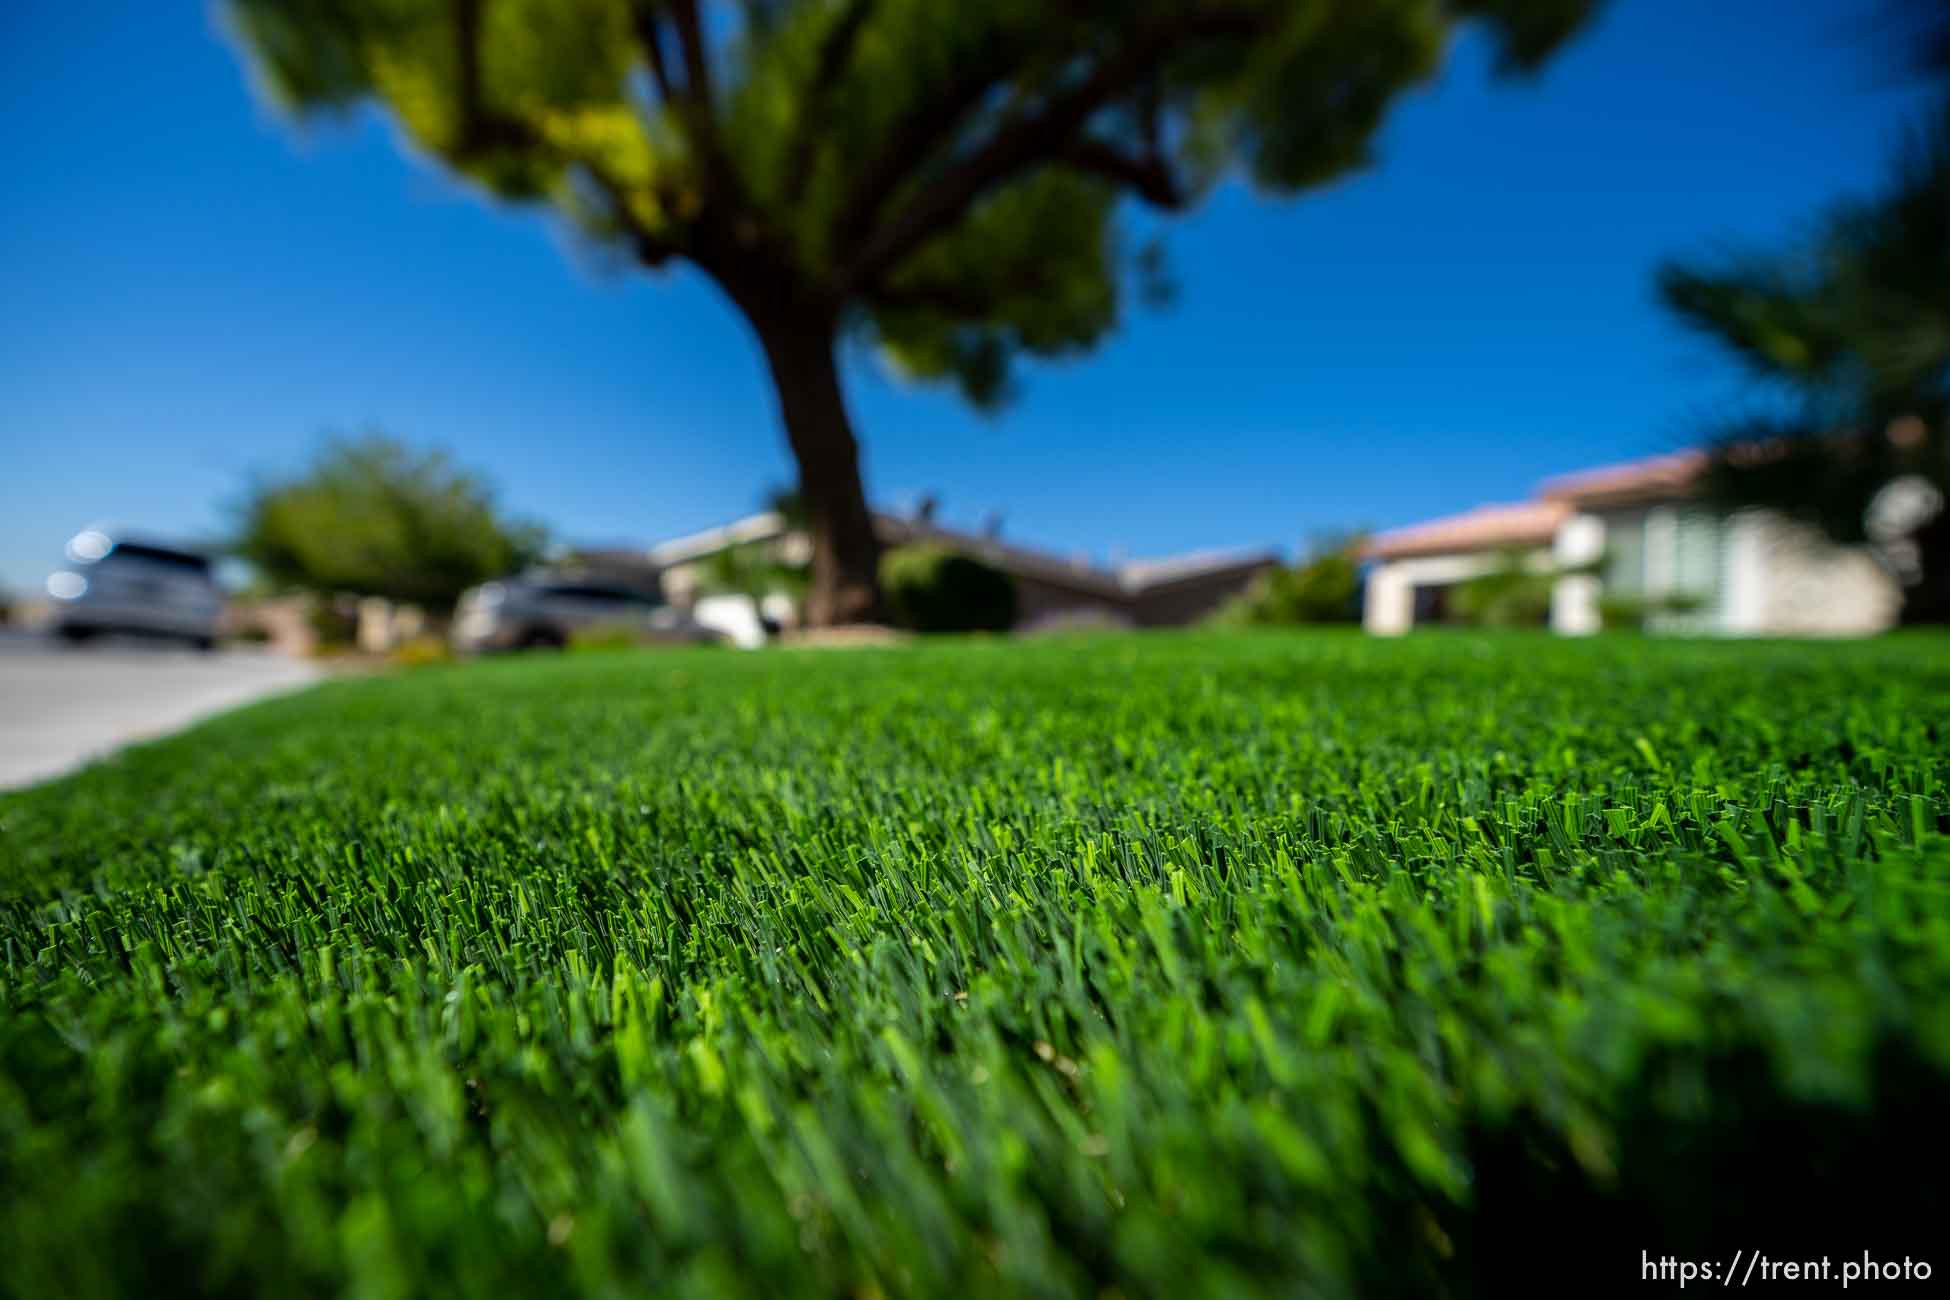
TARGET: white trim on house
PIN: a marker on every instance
(1389, 609)
(693, 546)
(1579, 545)
(1744, 611)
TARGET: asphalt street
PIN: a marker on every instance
(61, 706)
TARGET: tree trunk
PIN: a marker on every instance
(1928, 602)
(799, 349)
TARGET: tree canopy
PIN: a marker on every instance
(372, 516)
(1848, 332)
(941, 179)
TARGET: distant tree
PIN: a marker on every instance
(373, 516)
(943, 179)
(1850, 333)
(1323, 588)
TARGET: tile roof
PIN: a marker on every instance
(1523, 523)
(1534, 523)
(1655, 478)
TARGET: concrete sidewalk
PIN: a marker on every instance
(61, 706)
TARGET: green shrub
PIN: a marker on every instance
(931, 588)
(609, 639)
(1324, 589)
(603, 639)
(1511, 595)
(754, 570)
(420, 652)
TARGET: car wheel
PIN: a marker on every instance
(541, 638)
(74, 635)
(204, 643)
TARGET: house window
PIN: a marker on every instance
(1696, 568)
(1699, 549)
(1624, 573)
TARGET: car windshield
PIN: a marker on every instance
(183, 561)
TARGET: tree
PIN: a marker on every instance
(370, 515)
(1849, 332)
(942, 179)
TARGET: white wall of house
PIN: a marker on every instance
(1389, 609)
(1804, 585)
(1758, 574)
(1744, 611)
(1753, 573)
(681, 584)
(1579, 544)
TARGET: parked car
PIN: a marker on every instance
(545, 611)
(116, 582)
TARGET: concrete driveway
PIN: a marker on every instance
(62, 706)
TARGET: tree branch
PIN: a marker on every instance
(908, 149)
(1041, 137)
(834, 52)
(942, 299)
(692, 101)
(643, 21)
(697, 61)
(481, 130)
(971, 300)
(651, 250)
(1148, 175)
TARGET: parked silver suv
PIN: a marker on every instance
(116, 582)
(545, 611)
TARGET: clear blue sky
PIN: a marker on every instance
(193, 290)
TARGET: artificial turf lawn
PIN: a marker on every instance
(1173, 965)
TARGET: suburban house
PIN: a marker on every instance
(1636, 536)
(1052, 591)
